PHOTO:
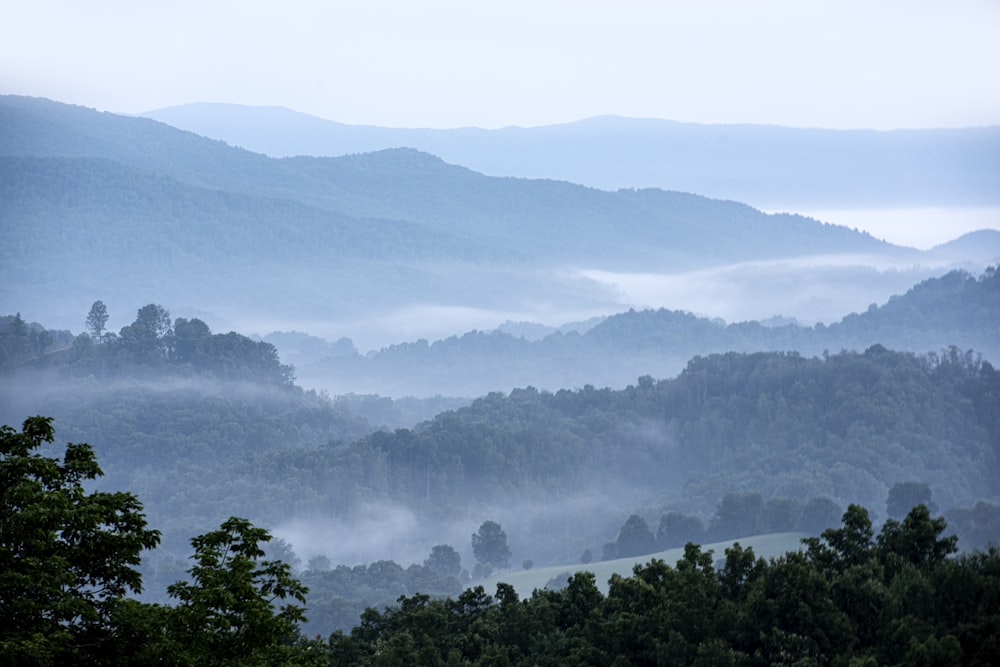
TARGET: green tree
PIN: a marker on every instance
(67, 557)
(489, 545)
(148, 337)
(97, 320)
(737, 514)
(226, 614)
(917, 540)
(192, 338)
(444, 561)
(635, 538)
(818, 515)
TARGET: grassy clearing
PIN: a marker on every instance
(526, 581)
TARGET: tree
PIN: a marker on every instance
(917, 540)
(489, 545)
(444, 561)
(818, 515)
(319, 563)
(635, 538)
(226, 614)
(97, 319)
(148, 335)
(737, 514)
(67, 557)
(191, 340)
(851, 545)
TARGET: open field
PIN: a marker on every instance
(526, 581)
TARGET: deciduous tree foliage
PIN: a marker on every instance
(489, 545)
(66, 556)
(68, 560)
(225, 613)
(635, 538)
(97, 319)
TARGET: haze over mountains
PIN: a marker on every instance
(765, 166)
(393, 245)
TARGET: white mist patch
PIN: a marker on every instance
(544, 530)
(427, 321)
(810, 289)
(380, 533)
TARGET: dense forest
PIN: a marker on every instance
(847, 597)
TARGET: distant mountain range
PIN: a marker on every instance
(391, 243)
(767, 166)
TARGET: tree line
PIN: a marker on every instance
(848, 597)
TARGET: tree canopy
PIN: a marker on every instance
(489, 545)
(67, 556)
(68, 564)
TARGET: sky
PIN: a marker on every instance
(453, 63)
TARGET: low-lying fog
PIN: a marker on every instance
(809, 289)
(548, 532)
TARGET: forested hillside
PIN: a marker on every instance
(956, 309)
(537, 217)
(847, 425)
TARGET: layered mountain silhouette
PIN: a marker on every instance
(768, 166)
(130, 210)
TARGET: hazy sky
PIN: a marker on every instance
(448, 63)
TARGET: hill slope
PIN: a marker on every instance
(772, 167)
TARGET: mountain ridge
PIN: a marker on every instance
(439, 236)
(765, 165)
